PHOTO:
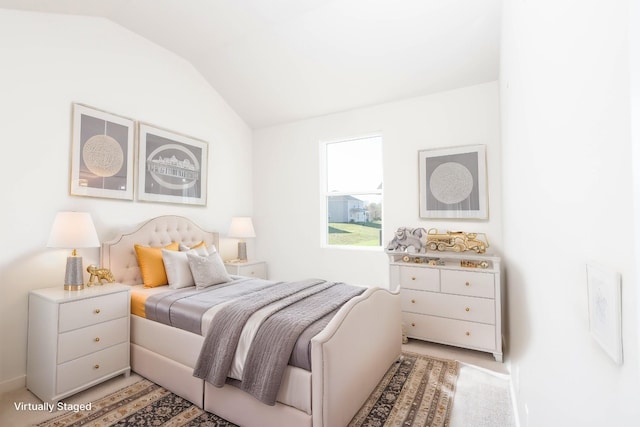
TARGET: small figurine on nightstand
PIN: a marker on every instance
(97, 275)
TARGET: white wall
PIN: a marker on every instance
(48, 62)
(567, 200)
(286, 179)
(634, 58)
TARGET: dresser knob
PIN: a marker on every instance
(467, 284)
(97, 339)
(413, 301)
(467, 333)
(96, 366)
(467, 309)
(97, 311)
(413, 324)
(413, 278)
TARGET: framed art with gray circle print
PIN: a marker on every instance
(101, 154)
(453, 182)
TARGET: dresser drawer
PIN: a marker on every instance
(82, 371)
(80, 342)
(445, 305)
(448, 331)
(426, 279)
(78, 314)
(471, 283)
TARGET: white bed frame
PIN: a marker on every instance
(349, 357)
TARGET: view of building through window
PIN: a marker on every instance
(353, 192)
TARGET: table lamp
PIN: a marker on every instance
(73, 230)
(241, 228)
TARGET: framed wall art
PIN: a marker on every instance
(101, 154)
(453, 182)
(605, 322)
(172, 167)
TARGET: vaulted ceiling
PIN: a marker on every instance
(276, 61)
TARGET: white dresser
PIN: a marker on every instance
(76, 339)
(449, 303)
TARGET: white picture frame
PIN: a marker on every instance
(453, 182)
(102, 154)
(605, 321)
(172, 167)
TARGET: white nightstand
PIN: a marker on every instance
(257, 269)
(76, 339)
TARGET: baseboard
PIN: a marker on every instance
(13, 384)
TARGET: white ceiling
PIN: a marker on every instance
(276, 61)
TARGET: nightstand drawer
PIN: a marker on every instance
(84, 370)
(80, 342)
(452, 306)
(258, 270)
(422, 278)
(255, 269)
(449, 331)
(468, 283)
(78, 314)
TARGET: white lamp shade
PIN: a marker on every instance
(241, 227)
(72, 230)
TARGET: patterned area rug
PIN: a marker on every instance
(416, 391)
(141, 404)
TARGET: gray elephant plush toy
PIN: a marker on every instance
(408, 237)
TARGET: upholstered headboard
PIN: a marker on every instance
(118, 254)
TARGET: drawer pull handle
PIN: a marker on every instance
(467, 284)
(97, 339)
(413, 301)
(467, 309)
(413, 324)
(96, 366)
(413, 278)
(467, 333)
(96, 311)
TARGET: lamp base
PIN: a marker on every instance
(73, 280)
(242, 251)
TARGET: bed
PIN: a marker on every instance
(348, 357)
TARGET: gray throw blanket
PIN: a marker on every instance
(305, 303)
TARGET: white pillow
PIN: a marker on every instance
(200, 249)
(207, 270)
(176, 265)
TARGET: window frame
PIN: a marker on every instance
(325, 194)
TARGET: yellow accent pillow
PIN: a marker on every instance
(199, 245)
(185, 248)
(151, 264)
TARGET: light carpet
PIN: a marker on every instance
(417, 390)
(483, 399)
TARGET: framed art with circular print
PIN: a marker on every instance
(453, 182)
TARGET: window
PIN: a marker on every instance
(352, 192)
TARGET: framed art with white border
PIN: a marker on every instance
(172, 168)
(101, 154)
(453, 182)
(605, 321)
